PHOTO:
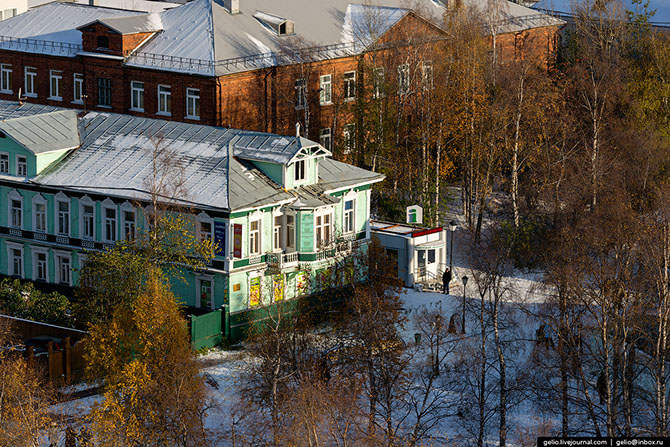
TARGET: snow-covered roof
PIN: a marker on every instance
(44, 132)
(661, 9)
(129, 5)
(146, 23)
(202, 37)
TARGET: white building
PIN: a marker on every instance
(10, 8)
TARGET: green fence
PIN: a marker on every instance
(207, 329)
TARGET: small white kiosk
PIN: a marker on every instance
(421, 253)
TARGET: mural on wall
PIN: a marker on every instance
(278, 287)
(255, 291)
(301, 283)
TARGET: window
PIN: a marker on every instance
(378, 82)
(63, 269)
(104, 92)
(193, 103)
(300, 94)
(299, 170)
(427, 75)
(129, 225)
(323, 230)
(5, 78)
(88, 220)
(78, 88)
(40, 224)
(326, 90)
(102, 42)
(349, 216)
(254, 237)
(110, 225)
(277, 233)
(15, 255)
(30, 80)
(290, 232)
(204, 230)
(431, 256)
(21, 166)
(7, 13)
(137, 96)
(350, 86)
(63, 223)
(4, 163)
(325, 138)
(164, 100)
(40, 265)
(403, 79)
(16, 213)
(55, 78)
(349, 138)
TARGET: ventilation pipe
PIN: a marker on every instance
(233, 6)
(93, 2)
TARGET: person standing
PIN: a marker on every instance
(446, 279)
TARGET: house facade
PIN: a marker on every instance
(251, 64)
(280, 210)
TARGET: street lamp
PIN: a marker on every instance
(452, 228)
(465, 283)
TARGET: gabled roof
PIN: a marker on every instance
(46, 132)
(146, 23)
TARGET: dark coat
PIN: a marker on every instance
(446, 276)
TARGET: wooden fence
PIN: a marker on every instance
(207, 329)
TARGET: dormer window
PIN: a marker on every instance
(21, 166)
(280, 25)
(103, 42)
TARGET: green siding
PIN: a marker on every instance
(272, 170)
(306, 231)
(44, 160)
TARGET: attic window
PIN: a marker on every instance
(279, 25)
(103, 42)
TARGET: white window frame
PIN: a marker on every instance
(319, 229)
(137, 92)
(11, 246)
(198, 283)
(6, 78)
(55, 81)
(109, 205)
(350, 197)
(4, 169)
(255, 218)
(200, 219)
(290, 230)
(349, 136)
(30, 79)
(126, 207)
(40, 251)
(59, 257)
(403, 79)
(427, 75)
(164, 94)
(326, 138)
(278, 231)
(326, 89)
(86, 201)
(300, 173)
(193, 103)
(62, 198)
(38, 199)
(12, 196)
(104, 92)
(77, 88)
(378, 82)
(349, 85)
(20, 163)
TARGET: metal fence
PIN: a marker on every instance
(207, 329)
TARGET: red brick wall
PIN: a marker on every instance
(119, 45)
(121, 76)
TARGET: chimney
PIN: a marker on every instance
(233, 6)
(93, 2)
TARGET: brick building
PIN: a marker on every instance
(253, 64)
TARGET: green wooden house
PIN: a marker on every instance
(279, 208)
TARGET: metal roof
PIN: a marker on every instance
(132, 5)
(117, 153)
(146, 23)
(202, 37)
(45, 132)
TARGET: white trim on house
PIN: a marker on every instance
(60, 277)
(35, 250)
(14, 195)
(198, 294)
(11, 246)
(38, 199)
(86, 201)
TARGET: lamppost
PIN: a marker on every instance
(452, 228)
(465, 283)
